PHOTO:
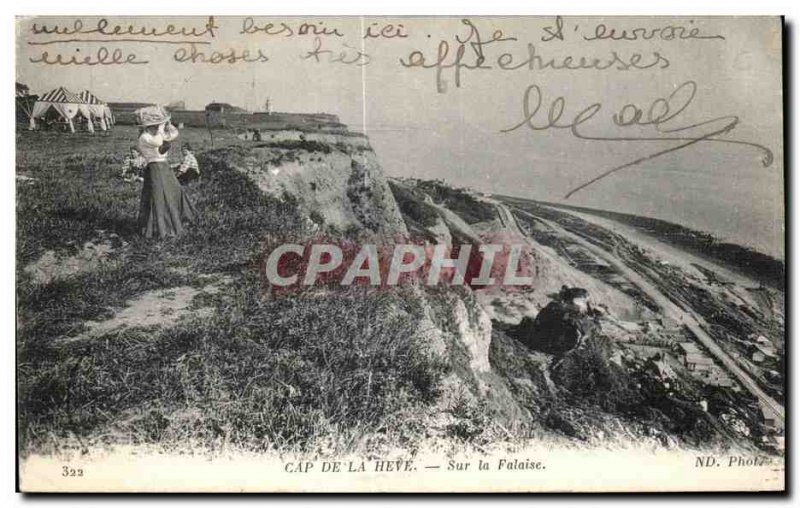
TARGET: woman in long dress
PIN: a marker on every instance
(164, 205)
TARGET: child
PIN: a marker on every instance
(133, 165)
(188, 170)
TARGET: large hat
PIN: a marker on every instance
(152, 115)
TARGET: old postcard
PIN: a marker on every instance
(407, 254)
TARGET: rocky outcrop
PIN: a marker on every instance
(560, 327)
(429, 220)
(460, 331)
(338, 186)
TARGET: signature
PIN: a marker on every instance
(661, 115)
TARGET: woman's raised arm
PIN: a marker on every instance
(170, 132)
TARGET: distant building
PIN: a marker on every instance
(694, 359)
(699, 363)
(772, 420)
(761, 353)
(225, 108)
(127, 106)
(765, 343)
(719, 377)
(669, 323)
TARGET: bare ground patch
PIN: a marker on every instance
(161, 308)
(91, 255)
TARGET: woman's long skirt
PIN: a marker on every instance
(164, 206)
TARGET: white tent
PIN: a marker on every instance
(66, 104)
(98, 108)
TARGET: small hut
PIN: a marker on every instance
(694, 359)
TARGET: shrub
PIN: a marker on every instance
(589, 377)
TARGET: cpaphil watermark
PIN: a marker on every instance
(328, 263)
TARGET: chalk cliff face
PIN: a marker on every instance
(336, 183)
(494, 381)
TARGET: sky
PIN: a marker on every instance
(429, 127)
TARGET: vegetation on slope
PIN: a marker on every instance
(258, 373)
(460, 201)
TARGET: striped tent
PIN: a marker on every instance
(61, 95)
(66, 104)
(98, 108)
